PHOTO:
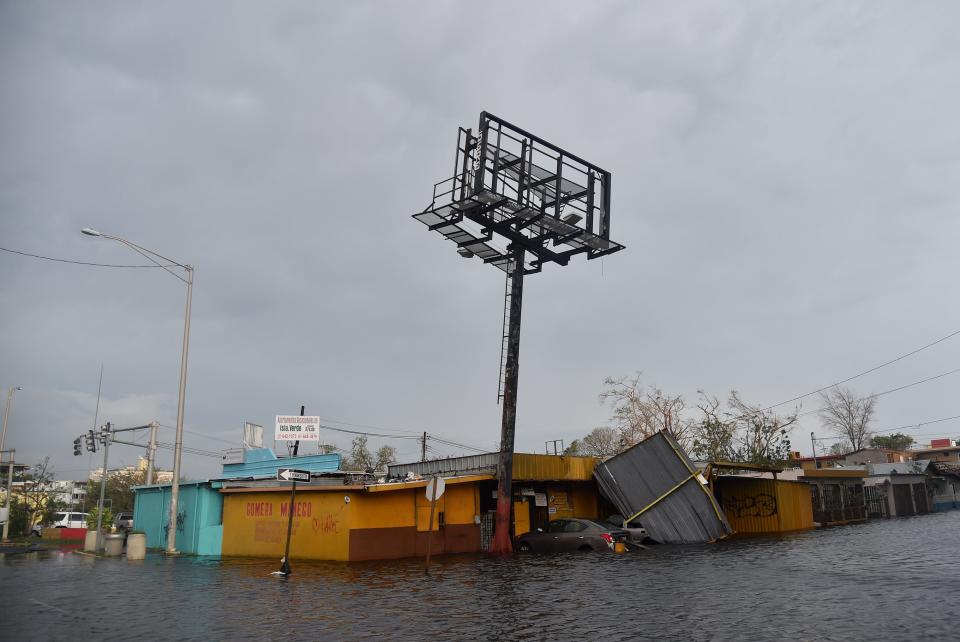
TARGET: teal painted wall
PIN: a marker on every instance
(262, 463)
(200, 516)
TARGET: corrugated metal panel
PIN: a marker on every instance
(261, 467)
(526, 467)
(754, 505)
(472, 464)
(657, 477)
(552, 467)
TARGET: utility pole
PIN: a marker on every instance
(502, 539)
(285, 562)
(6, 414)
(813, 447)
(423, 447)
(103, 481)
(6, 522)
(151, 452)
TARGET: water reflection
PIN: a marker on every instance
(884, 580)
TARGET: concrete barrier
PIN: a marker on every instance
(92, 541)
(113, 545)
(136, 546)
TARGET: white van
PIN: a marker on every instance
(69, 520)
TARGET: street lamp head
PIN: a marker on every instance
(90, 232)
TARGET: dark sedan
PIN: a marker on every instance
(572, 535)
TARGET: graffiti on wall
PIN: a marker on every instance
(272, 530)
(181, 518)
(759, 505)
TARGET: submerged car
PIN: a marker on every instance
(572, 534)
(637, 533)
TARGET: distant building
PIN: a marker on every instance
(866, 456)
(69, 492)
(820, 461)
(898, 489)
(159, 476)
(940, 453)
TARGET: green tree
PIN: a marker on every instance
(37, 491)
(92, 518)
(713, 436)
(119, 490)
(574, 449)
(896, 441)
(386, 455)
(360, 456)
(762, 436)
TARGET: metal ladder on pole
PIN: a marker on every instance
(506, 336)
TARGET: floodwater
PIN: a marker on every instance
(884, 580)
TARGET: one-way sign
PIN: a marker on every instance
(292, 474)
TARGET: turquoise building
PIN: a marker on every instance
(200, 506)
(199, 516)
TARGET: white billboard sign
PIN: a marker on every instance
(292, 427)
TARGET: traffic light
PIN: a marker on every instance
(76, 446)
(91, 441)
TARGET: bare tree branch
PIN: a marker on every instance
(848, 415)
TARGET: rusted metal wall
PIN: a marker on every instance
(755, 506)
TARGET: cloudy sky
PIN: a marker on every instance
(785, 180)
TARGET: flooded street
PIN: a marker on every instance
(888, 579)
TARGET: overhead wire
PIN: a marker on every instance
(887, 392)
(865, 372)
(88, 263)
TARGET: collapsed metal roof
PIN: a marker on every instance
(656, 483)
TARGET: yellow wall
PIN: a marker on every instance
(754, 505)
(462, 503)
(423, 510)
(527, 466)
(255, 524)
(585, 501)
(383, 510)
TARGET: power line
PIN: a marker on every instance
(370, 434)
(887, 392)
(456, 444)
(205, 436)
(347, 423)
(865, 372)
(50, 258)
(917, 425)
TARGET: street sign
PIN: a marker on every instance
(292, 474)
(293, 428)
(440, 487)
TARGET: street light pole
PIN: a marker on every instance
(178, 444)
(6, 523)
(6, 414)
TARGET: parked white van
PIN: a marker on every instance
(69, 520)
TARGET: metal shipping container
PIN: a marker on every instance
(755, 505)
